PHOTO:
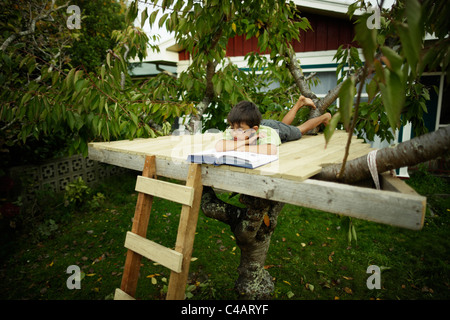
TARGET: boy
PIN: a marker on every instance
(248, 132)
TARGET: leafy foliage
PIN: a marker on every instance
(99, 20)
(203, 29)
(41, 99)
(395, 57)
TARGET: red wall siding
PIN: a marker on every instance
(328, 34)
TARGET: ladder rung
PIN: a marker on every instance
(166, 190)
(122, 295)
(151, 250)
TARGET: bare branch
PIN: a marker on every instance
(297, 73)
(32, 27)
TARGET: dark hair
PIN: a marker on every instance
(245, 112)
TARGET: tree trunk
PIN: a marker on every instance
(423, 148)
(252, 236)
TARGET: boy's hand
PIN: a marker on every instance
(252, 140)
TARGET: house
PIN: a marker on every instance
(331, 28)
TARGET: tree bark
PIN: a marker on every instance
(423, 148)
(252, 237)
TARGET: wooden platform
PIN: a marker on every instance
(286, 180)
(298, 160)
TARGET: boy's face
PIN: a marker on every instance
(242, 131)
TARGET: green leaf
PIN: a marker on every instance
(367, 38)
(70, 120)
(162, 20)
(354, 233)
(411, 33)
(144, 16)
(102, 72)
(153, 17)
(134, 118)
(346, 97)
(25, 98)
(70, 77)
(77, 76)
(55, 77)
(329, 130)
(372, 89)
(395, 60)
(393, 97)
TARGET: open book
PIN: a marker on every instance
(233, 158)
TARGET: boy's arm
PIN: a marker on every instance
(243, 145)
(260, 148)
(229, 145)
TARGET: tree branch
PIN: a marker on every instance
(32, 27)
(299, 78)
(217, 209)
(423, 148)
(209, 92)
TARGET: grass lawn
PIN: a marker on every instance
(309, 257)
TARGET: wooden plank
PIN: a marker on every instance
(387, 207)
(391, 183)
(140, 224)
(162, 189)
(153, 251)
(391, 208)
(186, 234)
(121, 295)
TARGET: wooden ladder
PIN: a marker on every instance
(138, 245)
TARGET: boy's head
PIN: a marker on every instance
(244, 118)
(245, 112)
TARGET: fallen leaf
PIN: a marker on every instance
(348, 290)
(193, 259)
(266, 220)
(286, 282)
(303, 244)
(290, 294)
(154, 281)
(347, 278)
(326, 285)
(329, 257)
(269, 266)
